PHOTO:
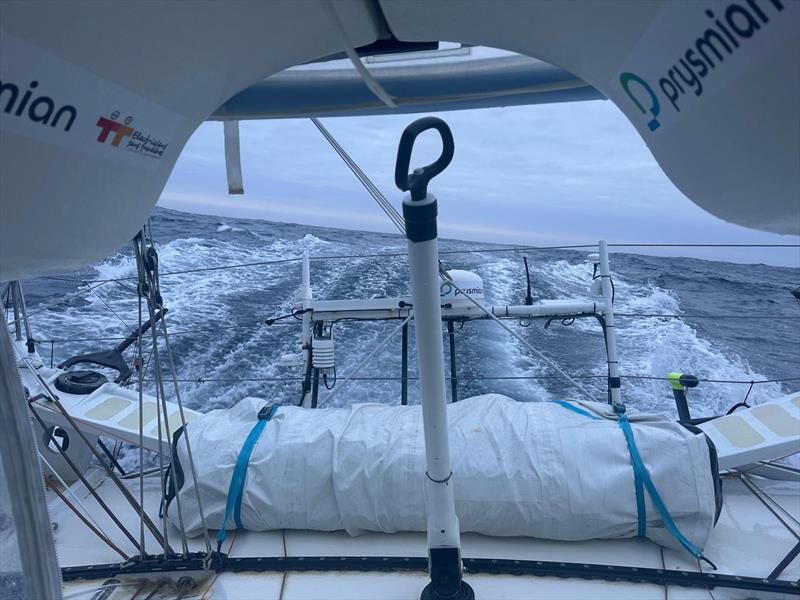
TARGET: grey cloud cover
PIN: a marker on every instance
(547, 174)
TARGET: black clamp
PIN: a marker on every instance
(419, 216)
(446, 480)
(265, 413)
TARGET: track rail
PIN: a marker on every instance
(492, 566)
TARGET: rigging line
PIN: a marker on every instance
(75, 497)
(151, 275)
(403, 254)
(362, 177)
(140, 390)
(770, 503)
(783, 380)
(370, 355)
(85, 519)
(477, 378)
(682, 245)
(530, 346)
(682, 316)
(139, 245)
(378, 196)
(108, 306)
(79, 474)
(292, 323)
(186, 435)
(62, 300)
(173, 333)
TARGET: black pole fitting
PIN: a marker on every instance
(680, 383)
(446, 582)
(417, 182)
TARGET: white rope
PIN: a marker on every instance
(368, 356)
(371, 83)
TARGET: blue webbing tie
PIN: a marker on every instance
(575, 409)
(236, 488)
(642, 479)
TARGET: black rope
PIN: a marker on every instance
(743, 403)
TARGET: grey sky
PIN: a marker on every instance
(547, 174)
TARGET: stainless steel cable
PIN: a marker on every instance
(185, 436)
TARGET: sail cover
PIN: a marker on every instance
(535, 469)
(93, 116)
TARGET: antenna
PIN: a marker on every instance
(528, 298)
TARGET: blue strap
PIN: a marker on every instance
(573, 408)
(641, 510)
(633, 450)
(642, 480)
(236, 487)
(644, 476)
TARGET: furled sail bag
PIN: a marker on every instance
(552, 470)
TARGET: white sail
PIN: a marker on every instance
(93, 117)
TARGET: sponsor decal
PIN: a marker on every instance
(34, 106)
(729, 31)
(57, 103)
(138, 141)
(446, 289)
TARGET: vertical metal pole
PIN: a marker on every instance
(309, 396)
(444, 539)
(315, 388)
(404, 367)
(610, 330)
(24, 480)
(12, 289)
(453, 377)
(419, 214)
(24, 310)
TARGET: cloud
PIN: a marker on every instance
(570, 173)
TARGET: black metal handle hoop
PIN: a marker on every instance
(417, 181)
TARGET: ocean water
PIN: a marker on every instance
(229, 352)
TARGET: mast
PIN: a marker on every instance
(419, 211)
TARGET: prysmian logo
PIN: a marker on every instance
(729, 30)
(39, 109)
(446, 288)
(139, 142)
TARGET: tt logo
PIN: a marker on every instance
(111, 125)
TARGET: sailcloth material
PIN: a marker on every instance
(519, 469)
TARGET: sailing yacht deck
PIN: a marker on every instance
(749, 540)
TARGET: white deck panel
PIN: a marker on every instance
(762, 432)
(112, 410)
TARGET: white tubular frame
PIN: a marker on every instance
(305, 299)
(609, 329)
